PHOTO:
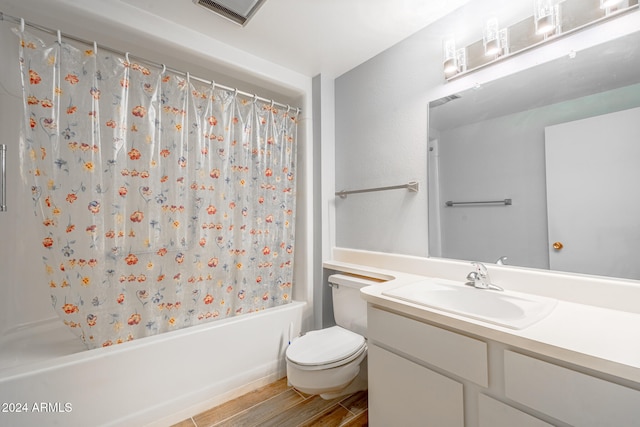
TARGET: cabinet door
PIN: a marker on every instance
(403, 393)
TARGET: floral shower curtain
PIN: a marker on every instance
(162, 203)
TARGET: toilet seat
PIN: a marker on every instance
(326, 348)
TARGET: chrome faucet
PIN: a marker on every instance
(479, 278)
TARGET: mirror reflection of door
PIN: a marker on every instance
(593, 194)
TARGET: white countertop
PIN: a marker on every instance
(602, 339)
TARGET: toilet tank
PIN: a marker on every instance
(349, 308)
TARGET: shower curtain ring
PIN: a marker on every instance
(255, 98)
(22, 25)
(126, 57)
(95, 48)
(59, 37)
(288, 108)
(164, 69)
(213, 85)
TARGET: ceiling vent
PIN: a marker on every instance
(444, 100)
(238, 11)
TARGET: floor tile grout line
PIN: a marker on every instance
(348, 410)
(302, 395)
(247, 409)
(257, 404)
(348, 420)
(321, 414)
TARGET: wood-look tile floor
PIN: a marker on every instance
(280, 405)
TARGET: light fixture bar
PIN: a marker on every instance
(566, 17)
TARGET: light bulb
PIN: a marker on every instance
(450, 62)
(490, 37)
(605, 4)
(545, 14)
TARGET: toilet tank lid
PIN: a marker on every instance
(352, 281)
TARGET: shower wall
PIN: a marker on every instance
(22, 302)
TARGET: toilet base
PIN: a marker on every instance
(360, 382)
(330, 382)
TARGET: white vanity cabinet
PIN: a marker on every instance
(405, 388)
(424, 375)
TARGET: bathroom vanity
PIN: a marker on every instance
(578, 365)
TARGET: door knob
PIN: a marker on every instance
(557, 246)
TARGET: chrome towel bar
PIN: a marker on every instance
(412, 186)
(505, 202)
(3, 177)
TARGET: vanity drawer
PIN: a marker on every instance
(493, 413)
(567, 395)
(458, 354)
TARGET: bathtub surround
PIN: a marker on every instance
(193, 387)
(25, 303)
(158, 381)
(127, 28)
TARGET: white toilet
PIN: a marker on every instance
(332, 362)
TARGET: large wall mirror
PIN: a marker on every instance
(543, 166)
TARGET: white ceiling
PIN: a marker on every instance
(310, 36)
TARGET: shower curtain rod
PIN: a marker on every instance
(57, 33)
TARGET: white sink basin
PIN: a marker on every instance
(505, 308)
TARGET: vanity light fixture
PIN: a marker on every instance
(551, 20)
(545, 15)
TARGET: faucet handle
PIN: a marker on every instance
(480, 277)
(481, 269)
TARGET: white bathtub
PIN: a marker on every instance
(47, 379)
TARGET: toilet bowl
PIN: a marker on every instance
(332, 362)
(326, 361)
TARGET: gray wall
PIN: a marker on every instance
(381, 135)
